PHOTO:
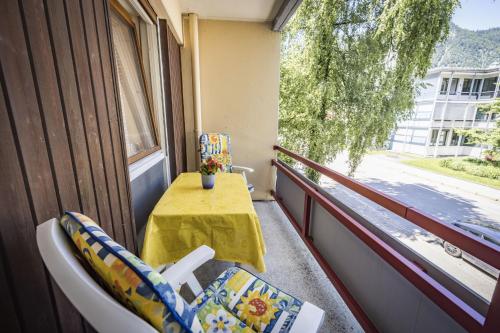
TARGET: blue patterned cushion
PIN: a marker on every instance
(136, 285)
(257, 304)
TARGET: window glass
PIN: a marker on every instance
(442, 137)
(136, 110)
(444, 86)
(481, 115)
(434, 135)
(454, 138)
(466, 141)
(475, 87)
(489, 86)
(453, 86)
(466, 86)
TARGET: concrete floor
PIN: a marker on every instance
(292, 268)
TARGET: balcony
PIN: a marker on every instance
(66, 104)
(366, 264)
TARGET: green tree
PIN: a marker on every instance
(489, 137)
(349, 71)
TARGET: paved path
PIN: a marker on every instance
(446, 198)
(449, 199)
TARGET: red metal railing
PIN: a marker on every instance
(469, 318)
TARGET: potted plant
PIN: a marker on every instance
(208, 169)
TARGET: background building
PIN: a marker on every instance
(449, 101)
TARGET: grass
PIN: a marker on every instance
(432, 164)
(389, 153)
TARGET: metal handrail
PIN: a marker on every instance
(486, 251)
(469, 318)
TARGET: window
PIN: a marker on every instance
(444, 86)
(475, 87)
(466, 141)
(434, 135)
(136, 107)
(453, 86)
(454, 138)
(466, 87)
(481, 115)
(442, 137)
(489, 86)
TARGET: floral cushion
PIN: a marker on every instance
(256, 303)
(217, 146)
(136, 285)
(216, 319)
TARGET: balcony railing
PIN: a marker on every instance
(345, 248)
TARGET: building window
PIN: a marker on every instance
(453, 86)
(489, 86)
(434, 135)
(481, 115)
(140, 134)
(444, 86)
(466, 141)
(475, 87)
(442, 137)
(466, 87)
(454, 138)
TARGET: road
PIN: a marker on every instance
(446, 198)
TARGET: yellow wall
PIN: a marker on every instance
(239, 69)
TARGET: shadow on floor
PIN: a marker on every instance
(446, 206)
(292, 268)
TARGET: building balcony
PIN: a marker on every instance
(102, 105)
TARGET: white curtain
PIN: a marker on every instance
(136, 111)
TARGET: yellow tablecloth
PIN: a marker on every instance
(188, 216)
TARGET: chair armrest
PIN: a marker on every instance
(238, 168)
(182, 271)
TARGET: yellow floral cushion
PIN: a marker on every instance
(257, 304)
(133, 283)
(216, 319)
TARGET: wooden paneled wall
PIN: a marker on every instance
(171, 60)
(61, 147)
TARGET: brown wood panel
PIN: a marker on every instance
(174, 57)
(89, 115)
(50, 104)
(101, 109)
(8, 307)
(167, 91)
(174, 109)
(71, 104)
(101, 10)
(20, 90)
(58, 145)
(62, 148)
(24, 269)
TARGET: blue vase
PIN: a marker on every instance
(208, 181)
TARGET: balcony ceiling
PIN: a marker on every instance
(235, 10)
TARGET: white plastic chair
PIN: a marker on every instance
(106, 314)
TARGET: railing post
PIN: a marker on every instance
(306, 219)
(492, 322)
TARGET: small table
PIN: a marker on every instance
(187, 216)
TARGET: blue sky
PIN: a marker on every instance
(478, 14)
